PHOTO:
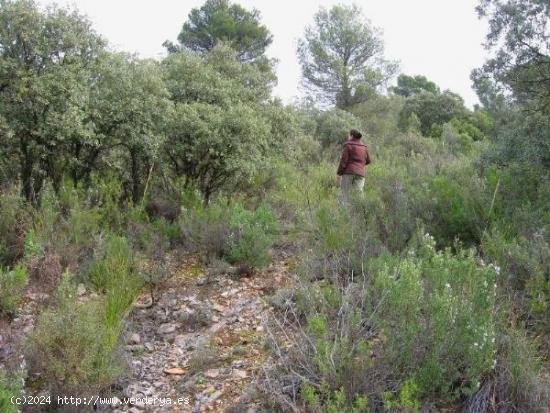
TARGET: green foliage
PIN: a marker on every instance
(428, 315)
(251, 237)
(334, 402)
(71, 346)
(217, 147)
(408, 86)
(519, 33)
(219, 134)
(432, 109)
(468, 130)
(333, 126)
(444, 304)
(129, 108)
(524, 264)
(115, 273)
(13, 223)
(12, 285)
(524, 141)
(342, 56)
(520, 373)
(9, 387)
(413, 124)
(206, 228)
(33, 246)
(457, 213)
(379, 115)
(405, 400)
(217, 78)
(45, 81)
(230, 231)
(291, 139)
(380, 315)
(220, 21)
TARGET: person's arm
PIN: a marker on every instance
(344, 159)
(367, 156)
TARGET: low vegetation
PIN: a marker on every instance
(427, 291)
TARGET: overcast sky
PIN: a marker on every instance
(441, 39)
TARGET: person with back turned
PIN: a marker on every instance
(351, 170)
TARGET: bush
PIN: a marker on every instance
(71, 347)
(115, 273)
(12, 285)
(9, 387)
(521, 382)
(457, 213)
(391, 329)
(206, 230)
(232, 232)
(438, 318)
(251, 237)
(524, 264)
(13, 224)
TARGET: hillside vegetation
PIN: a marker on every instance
(429, 291)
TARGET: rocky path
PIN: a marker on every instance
(202, 340)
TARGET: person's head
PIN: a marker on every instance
(355, 134)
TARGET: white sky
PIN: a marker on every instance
(440, 39)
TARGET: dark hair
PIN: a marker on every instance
(355, 134)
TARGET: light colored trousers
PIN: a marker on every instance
(351, 183)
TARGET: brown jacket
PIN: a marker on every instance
(355, 156)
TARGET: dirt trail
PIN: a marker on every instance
(202, 340)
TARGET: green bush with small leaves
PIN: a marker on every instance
(9, 387)
(71, 346)
(228, 230)
(438, 318)
(12, 285)
(252, 234)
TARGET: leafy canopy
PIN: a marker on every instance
(515, 83)
(218, 136)
(129, 107)
(432, 109)
(412, 85)
(220, 21)
(519, 33)
(45, 65)
(342, 56)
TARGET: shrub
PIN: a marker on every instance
(438, 318)
(106, 196)
(396, 330)
(12, 285)
(115, 273)
(521, 382)
(405, 400)
(71, 347)
(163, 208)
(457, 213)
(334, 403)
(252, 234)
(13, 224)
(153, 268)
(204, 356)
(169, 231)
(230, 231)
(524, 264)
(114, 263)
(206, 229)
(9, 387)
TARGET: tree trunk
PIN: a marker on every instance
(27, 183)
(136, 192)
